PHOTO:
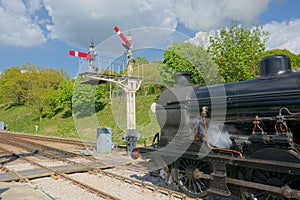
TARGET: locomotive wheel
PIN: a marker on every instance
(188, 172)
(277, 179)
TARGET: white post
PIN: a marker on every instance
(131, 87)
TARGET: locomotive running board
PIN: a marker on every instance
(219, 180)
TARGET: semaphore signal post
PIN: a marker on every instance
(128, 83)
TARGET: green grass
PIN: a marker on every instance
(113, 115)
(23, 119)
(18, 118)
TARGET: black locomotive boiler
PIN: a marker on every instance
(238, 139)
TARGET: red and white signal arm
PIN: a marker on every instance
(122, 36)
(78, 54)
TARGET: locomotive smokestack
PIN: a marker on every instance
(183, 79)
(273, 66)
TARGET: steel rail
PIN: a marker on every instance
(52, 139)
(142, 184)
(66, 177)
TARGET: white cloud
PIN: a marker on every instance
(78, 22)
(206, 15)
(14, 6)
(202, 38)
(284, 35)
(34, 6)
(17, 27)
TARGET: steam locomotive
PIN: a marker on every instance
(238, 139)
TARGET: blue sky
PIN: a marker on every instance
(43, 31)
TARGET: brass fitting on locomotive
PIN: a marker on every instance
(257, 121)
(204, 111)
(281, 137)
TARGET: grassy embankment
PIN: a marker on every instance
(23, 119)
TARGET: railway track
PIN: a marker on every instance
(62, 175)
(65, 156)
(60, 140)
(79, 143)
(49, 152)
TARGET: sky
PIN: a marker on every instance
(43, 31)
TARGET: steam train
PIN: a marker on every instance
(238, 139)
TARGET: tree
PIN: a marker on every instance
(88, 99)
(48, 100)
(12, 86)
(34, 87)
(102, 91)
(27, 67)
(237, 51)
(188, 57)
(64, 94)
(63, 72)
(83, 100)
(298, 62)
(39, 83)
(295, 61)
(140, 61)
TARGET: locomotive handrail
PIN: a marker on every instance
(289, 112)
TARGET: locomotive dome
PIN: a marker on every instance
(274, 66)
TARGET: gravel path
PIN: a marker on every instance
(20, 165)
(63, 190)
(118, 188)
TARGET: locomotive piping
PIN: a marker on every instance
(281, 119)
(204, 111)
(289, 112)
